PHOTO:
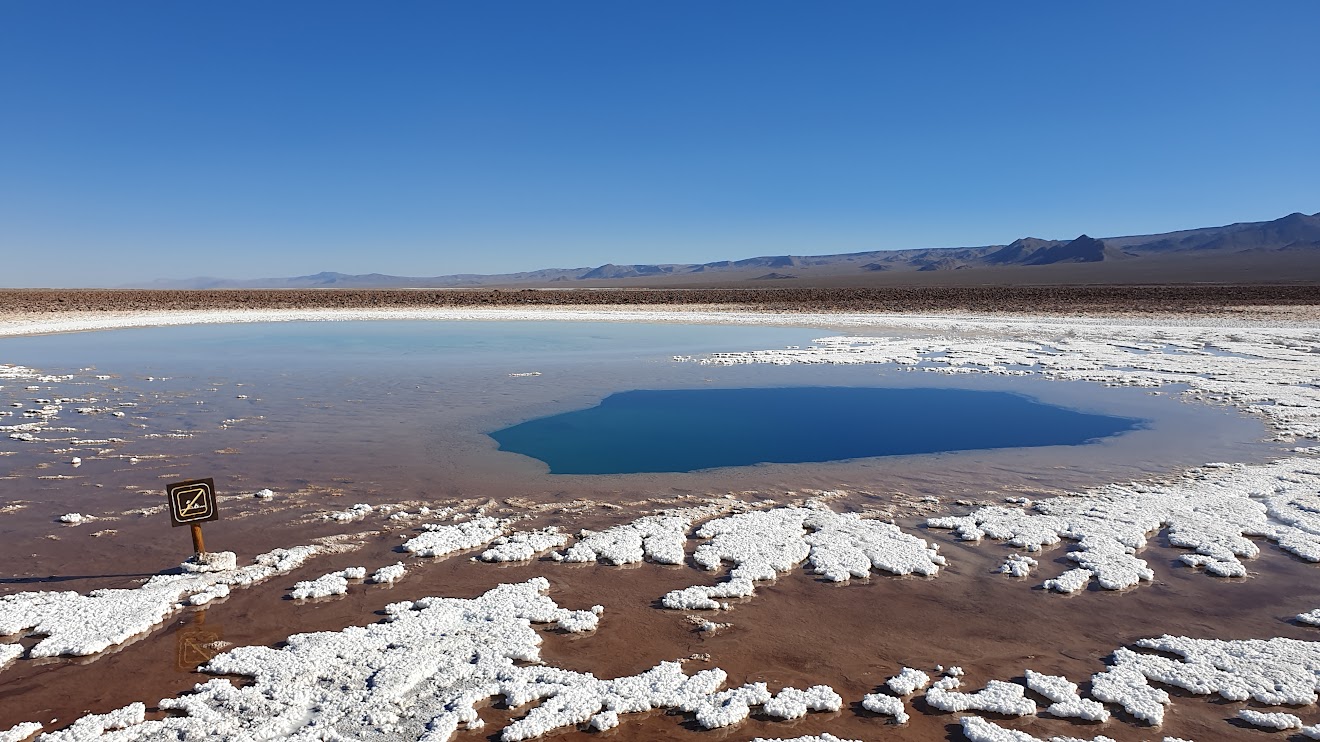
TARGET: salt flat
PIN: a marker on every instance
(1186, 539)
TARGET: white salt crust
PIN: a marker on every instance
(357, 512)
(389, 575)
(660, 538)
(997, 697)
(791, 703)
(1066, 701)
(762, 544)
(1213, 510)
(1270, 720)
(9, 653)
(524, 545)
(1017, 565)
(422, 673)
(1273, 672)
(879, 703)
(20, 732)
(977, 729)
(443, 540)
(334, 583)
(1310, 617)
(73, 519)
(822, 737)
(79, 625)
(907, 681)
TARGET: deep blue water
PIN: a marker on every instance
(691, 429)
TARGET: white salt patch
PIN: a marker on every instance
(1270, 721)
(791, 703)
(357, 512)
(524, 545)
(263, 494)
(213, 592)
(977, 729)
(1017, 565)
(1310, 617)
(75, 461)
(73, 519)
(1071, 581)
(390, 574)
(997, 697)
(20, 732)
(421, 674)
(659, 538)
(97, 726)
(878, 703)
(1067, 702)
(443, 540)
(9, 653)
(80, 625)
(762, 544)
(822, 737)
(1312, 732)
(334, 583)
(211, 561)
(908, 680)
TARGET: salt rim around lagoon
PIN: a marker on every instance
(1213, 511)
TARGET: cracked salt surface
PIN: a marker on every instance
(80, 625)
(421, 675)
(763, 544)
(1213, 510)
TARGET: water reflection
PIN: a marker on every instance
(196, 642)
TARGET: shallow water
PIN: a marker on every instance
(331, 414)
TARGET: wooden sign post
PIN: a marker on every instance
(192, 503)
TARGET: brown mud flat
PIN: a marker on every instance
(798, 631)
(1175, 299)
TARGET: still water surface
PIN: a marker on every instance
(693, 429)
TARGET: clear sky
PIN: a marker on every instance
(242, 139)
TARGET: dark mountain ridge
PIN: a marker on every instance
(1296, 235)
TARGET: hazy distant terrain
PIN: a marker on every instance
(1285, 250)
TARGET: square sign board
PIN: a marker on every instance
(192, 501)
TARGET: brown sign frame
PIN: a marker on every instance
(192, 502)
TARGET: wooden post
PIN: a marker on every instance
(198, 545)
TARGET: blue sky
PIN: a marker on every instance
(141, 140)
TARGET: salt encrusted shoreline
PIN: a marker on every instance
(16, 324)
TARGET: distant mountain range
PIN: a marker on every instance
(1278, 250)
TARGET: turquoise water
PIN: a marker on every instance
(691, 429)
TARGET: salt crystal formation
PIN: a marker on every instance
(659, 538)
(908, 680)
(80, 625)
(357, 512)
(762, 544)
(334, 583)
(878, 703)
(1273, 672)
(443, 540)
(977, 729)
(1310, 617)
(823, 737)
(791, 703)
(997, 697)
(422, 673)
(1211, 510)
(1067, 702)
(9, 653)
(20, 732)
(1270, 721)
(524, 545)
(389, 575)
(1017, 565)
